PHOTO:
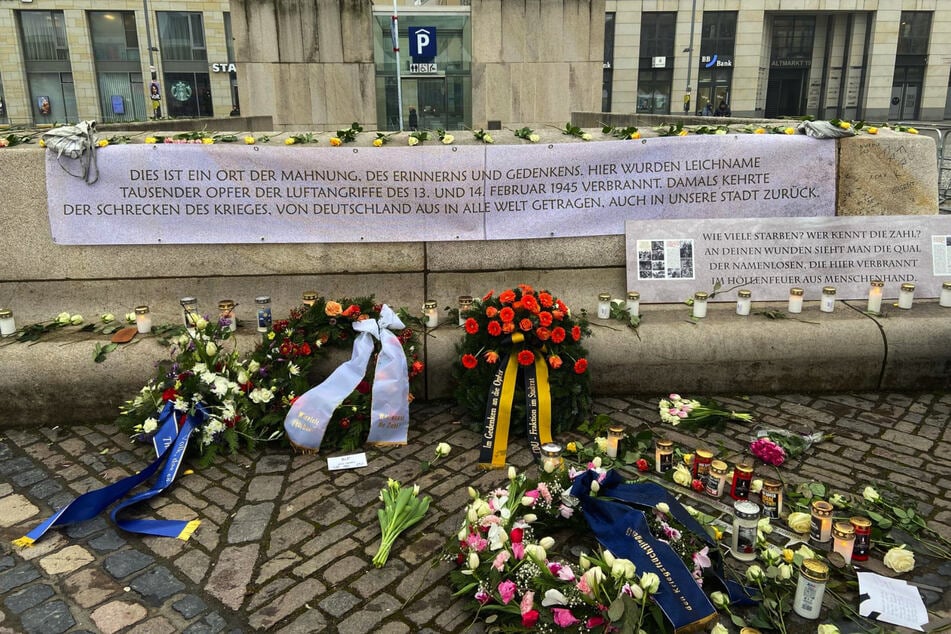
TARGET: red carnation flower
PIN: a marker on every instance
(576, 333)
(642, 465)
(530, 304)
(516, 535)
(580, 366)
(554, 361)
(494, 328)
(169, 394)
(530, 618)
(472, 326)
(543, 334)
(545, 299)
(558, 334)
(488, 296)
(507, 296)
(491, 311)
(545, 318)
(525, 324)
(469, 361)
(698, 485)
(526, 357)
(305, 349)
(507, 314)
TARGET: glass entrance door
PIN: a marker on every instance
(431, 103)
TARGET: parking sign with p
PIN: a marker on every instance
(422, 43)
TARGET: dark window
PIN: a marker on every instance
(44, 36)
(657, 34)
(181, 36)
(718, 34)
(608, 74)
(793, 36)
(114, 38)
(914, 32)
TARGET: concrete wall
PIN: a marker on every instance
(57, 381)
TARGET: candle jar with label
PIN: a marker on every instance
(772, 498)
(813, 575)
(430, 314)
(189, 311)
(795, 300)
(742, 479)
(663, 456)
(226, 316)
(702, 458)
(143, 320)
(604, 305)
(263, 304)
(863, 538)
(944, 299)
(843, 539)
(700, 304)
(875, 291)
(745, 519)
(615, 435)
(465, 304)
(7, 324)
(309, 298)
(716, 480)
(744, 301)
(551, 457)
(820, 530)
(634, 303)
(827, 302)
(906, 295)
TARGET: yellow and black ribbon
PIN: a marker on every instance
(498, 411)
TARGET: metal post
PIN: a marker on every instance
(395, 34)
(693, 23)
(156, 110)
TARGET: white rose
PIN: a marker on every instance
(585, 137)
(211, 349)
(682, 475)
(130, 318)
(799, 522)
(899, 559)
(662, 507)
(547, 543)
(76, 319)
(719, 629)
(473, 561)
(534, 138)
(253, 367)
(261, 395)
(623, 568)
(200, 323)
(594, 577)
(530, 518)
(785, 571)
(719, 600)
(650, 582)
(443, 449)
(488, 138)
(412, 141)
(107, 318)
(63, 318)
(447, 139)
(756, 486)
(827, 628)
(871, 494)
(754, 572)
(149, 425)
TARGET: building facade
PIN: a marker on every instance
(862, 59)
(491, 63)
(115, 61)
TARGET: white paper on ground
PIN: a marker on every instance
(891, 601)
(353, 461)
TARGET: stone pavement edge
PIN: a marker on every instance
(286, 546)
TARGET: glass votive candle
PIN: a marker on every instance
(430, 314)
(465, 304)
(875, 291)
(716, 479)
(615, 434)
(744, 301)
(863, 537)
(843, 538)
(663, 455)
(945, 298)
(604, 305)
(795, 300)
(700, 304)
(771, 495)
(7, 324)
(309, 298)
(143, 320)
(551, 457)
(811, 586)
(820, 530)
(226, 314)
(745, 519)
(189, 311)
(634, 303)
(906, 295)
(827, 303)
(263, 304)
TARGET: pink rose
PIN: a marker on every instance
(564, 617)
(500, 560)
(507, 591)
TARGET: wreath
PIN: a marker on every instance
(548, 329)
(248, 399)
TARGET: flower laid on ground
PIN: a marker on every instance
(671, 130)
(444, 137)
(691, 413)
(279, 370)
(382, 139)
(250, 140)
(335, 141)
(768, 451)
(575, 131)
(300, 137)
(13, 139)
(630, 132)
(443, 449)
(347, 135)
(527, 134)
(483, 136)
(402, 508)
(530, 325)
(899, 559)
(790, 443)
(417, 137)
(799, 522)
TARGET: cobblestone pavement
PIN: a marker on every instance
(285, 545)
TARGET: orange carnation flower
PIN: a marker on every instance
(545, 318)
(530, 303)
(545, 299)
(507, 296)
(526, 357)
(526, 289)
(332, 309)
(472, 326)
(525, 324)
(558, 315)
(488, 296)
(508, 327)
(494, 328)
(558, 334)
(507, 314)
(491, 356)
(543, 334)
(580, 366)
(491, 312)
(469, 361)
(554, 361)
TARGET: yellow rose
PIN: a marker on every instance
(336, 142)
(688, 459)
(683, 133)
(899, 559)
(759, 131)
(42, 143)
(412, 141)
(150, 140)
(102, 142)
(289, 141)
(377, 142)
(872, 130)
(572, 447)
(912, 131)
(788, 555)
(207, 141)
(790, 130)
(635, 135)
(249, 140)
(332, 309)
(845, 125)
(799, 522)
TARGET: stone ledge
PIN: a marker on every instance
(55, 382)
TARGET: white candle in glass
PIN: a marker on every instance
(795, 300)
(875, 296)
(634, 303)
(906, 295)
(744, 302)
(827, 303)
(700, 304)
(945, 298)
(143, 320)
(604, 305)
(430, 314)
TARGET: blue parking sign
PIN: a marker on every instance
(422, 43)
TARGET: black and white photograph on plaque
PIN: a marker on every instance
(941, 254)
(665, 259)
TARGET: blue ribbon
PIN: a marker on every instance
(92, 503)
(621, 527)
